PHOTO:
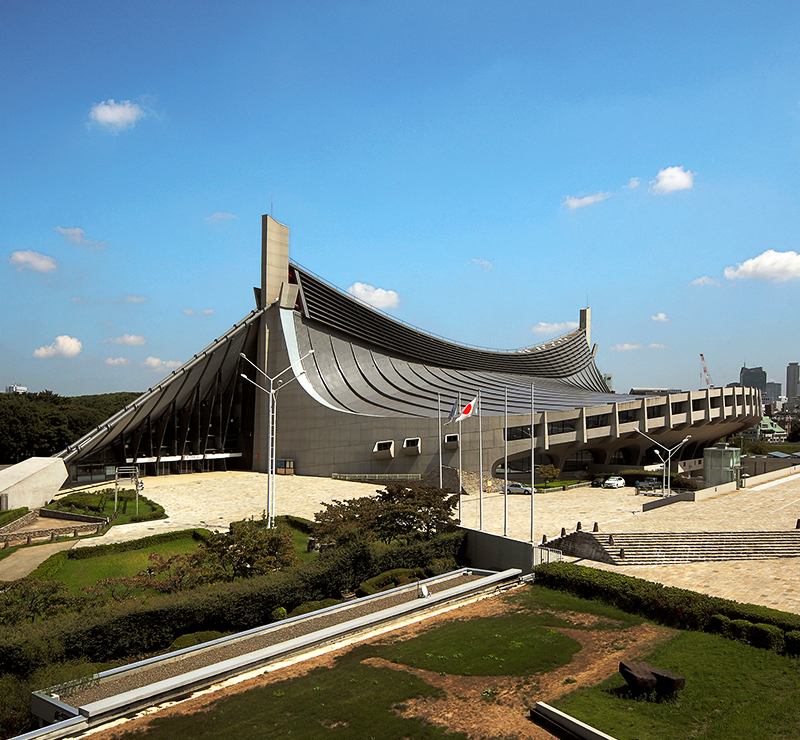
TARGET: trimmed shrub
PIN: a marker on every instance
(390, 579)
(740, 630)
(312, 606)
(767, 637)
(719, 624)
(295, 522)
(793, 642)
(277, 614)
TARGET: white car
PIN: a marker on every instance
(615, 481)
(518, 488)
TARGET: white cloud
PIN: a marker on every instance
(192, 312)
(34, 261)
(654, 345)
(220, 216)
(157, 365)
(771, 265)
(114, 361)
(660, 317)
(136, 299)
(625, 347)
(208, 311)
(116, 116)
(129, 339)
(573, 203)
(78, 236)
(64, 346)
(79, 299)
(705, 280)
(632, 183)
(671, 179)
(486, 264)
(188, 311)
(556, 328)
(377, 297)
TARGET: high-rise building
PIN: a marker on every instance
(772, 392)
(753, 377)
(793, 384)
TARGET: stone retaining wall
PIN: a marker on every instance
(38, 534)
(23, 521)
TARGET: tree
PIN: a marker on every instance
(401, 511)
(548, 473)
(249, 549)
(29, 598)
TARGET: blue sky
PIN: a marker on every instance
(478, 170)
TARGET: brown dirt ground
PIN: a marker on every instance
(464, 708)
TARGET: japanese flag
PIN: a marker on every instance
(469, 409)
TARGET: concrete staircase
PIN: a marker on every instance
(669, 548)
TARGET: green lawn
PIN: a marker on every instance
(733, 692)
(78, 573)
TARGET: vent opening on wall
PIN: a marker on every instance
(451, 441)
(383, 450)
(411, 445)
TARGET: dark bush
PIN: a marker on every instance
(390, 579)
(719, 624)
(793, 642)
(12, 515)
(767, 637)
(740, 630)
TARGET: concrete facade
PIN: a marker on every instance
(31, 483)
(372, 395)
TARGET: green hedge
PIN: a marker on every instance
(295, 522)
(136, 627)
(96, 551)
(12, 515)
(390, 579)
(675, 607)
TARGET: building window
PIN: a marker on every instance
(561, 427)
(626, 416)
(597, 421)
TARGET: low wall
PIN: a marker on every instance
(488, 551)
(53, 528)
(23, 521)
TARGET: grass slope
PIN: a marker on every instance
(733, 692)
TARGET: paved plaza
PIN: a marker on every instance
(212, 500)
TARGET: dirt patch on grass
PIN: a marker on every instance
(479, 706)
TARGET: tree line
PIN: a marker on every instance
(42, 424)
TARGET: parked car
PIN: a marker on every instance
(615, 481)
(518, 488)
(598, 482)
(650, 484)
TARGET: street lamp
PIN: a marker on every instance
(670, 452)
(272, 392)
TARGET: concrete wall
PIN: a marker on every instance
(31, 483)
(495, 552)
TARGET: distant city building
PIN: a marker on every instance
(608, 379)
(772, 392)
(753, 377)
(16, 388)
(793, 384)
(766, 429)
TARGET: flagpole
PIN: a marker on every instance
(480, 462)
(505, 465)
(533, 466)
(439, 419)
(460, 442)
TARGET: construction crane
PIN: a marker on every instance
(705, 374)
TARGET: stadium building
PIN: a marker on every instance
(371, 396)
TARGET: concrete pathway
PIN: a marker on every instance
(27, 559)
(213, 500)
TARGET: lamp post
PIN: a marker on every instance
(272, 392)
(667, 461)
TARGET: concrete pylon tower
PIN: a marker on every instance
(274, 272)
